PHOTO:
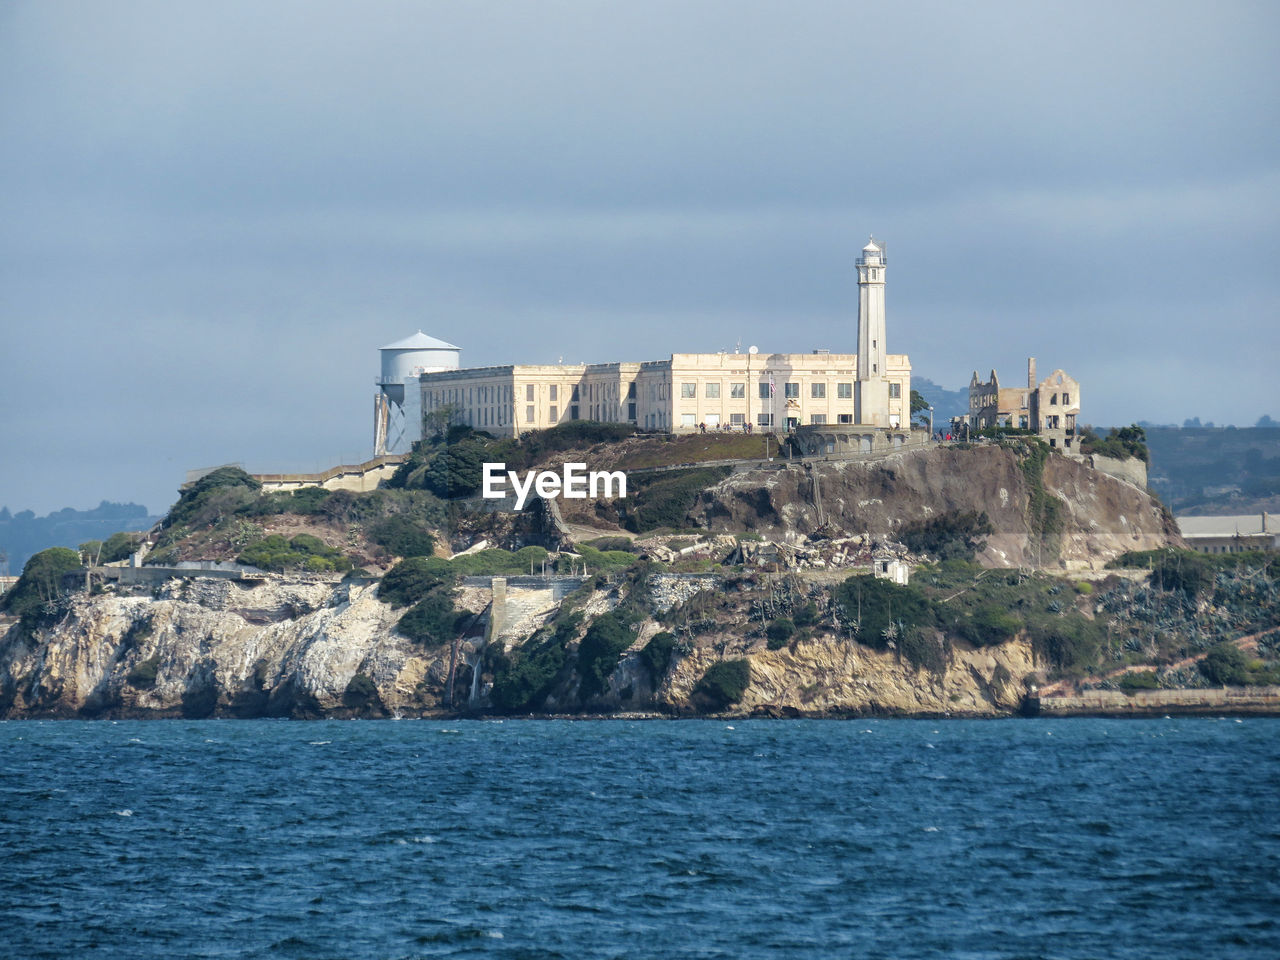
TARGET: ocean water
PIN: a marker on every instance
(540, 839)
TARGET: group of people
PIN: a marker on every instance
(726, 427)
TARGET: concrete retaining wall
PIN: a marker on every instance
(357, 478)
(1159, 702)
(1132, 470)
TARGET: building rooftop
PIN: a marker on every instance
(420, 341)
(1248, 525)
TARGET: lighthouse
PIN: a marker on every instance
(872, 406)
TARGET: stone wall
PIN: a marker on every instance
(1131, 470)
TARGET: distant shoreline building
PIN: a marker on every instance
(679, 394)
(1231, 534)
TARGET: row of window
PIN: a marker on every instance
(791, 391)
(762, 419)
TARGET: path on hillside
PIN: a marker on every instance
(1247, 644)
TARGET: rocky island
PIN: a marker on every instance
(976, 579)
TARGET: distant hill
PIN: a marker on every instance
(22, 534)
(946, 403)
(1222, 470)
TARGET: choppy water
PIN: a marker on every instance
(995, 839)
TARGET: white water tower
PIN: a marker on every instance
(397, 419)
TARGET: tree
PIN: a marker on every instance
(41, 581)
(919, 407)
(436, 423)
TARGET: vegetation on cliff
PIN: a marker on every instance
(34, 597)
(1120, 444)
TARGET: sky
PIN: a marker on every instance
(213, 214)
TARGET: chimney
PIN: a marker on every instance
(1031, 373)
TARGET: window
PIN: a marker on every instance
(1053, 401)
(737, 419)
(528, 413)
(791, 391)
(844, 391)
(631, 390)
(528, 392)
(712, 420)
(631, 411)
(555, 391)
(573, 410)
(818, 418)
(713, 391)
(688, 391)
(737, 391)
(764, 419)
(818, 391)
(688, 420)
(765, 392)
(1066, 399)
(845, 418)
(1022, 422)
(895, 391)
(554, 413)
(574, 397)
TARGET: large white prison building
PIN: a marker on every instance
(777, 391)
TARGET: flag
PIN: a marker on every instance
(772, 389)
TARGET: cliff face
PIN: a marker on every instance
(215, 648)
(212, 646)
(1097, 517)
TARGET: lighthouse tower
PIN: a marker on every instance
(872, 388)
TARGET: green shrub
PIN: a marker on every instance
(304, 551)
(990, 624)
(723, 684)
(431, 621)
(656, 655)
(1139, 680)
(883, 609)
(1226, 665)
(403, 536)
(1182, 571)
(665, 499)
(1084, 588)
(575, 434)
(807, 615)
(779, 632)
(522, 684)
(1130, 441)
(606, 560)
(497, 562)
(601, 649)
(120, 546)
(1070, 644)
(456, 471)
(216, 494)
(410, 580)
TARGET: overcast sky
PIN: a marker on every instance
(213, 214)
